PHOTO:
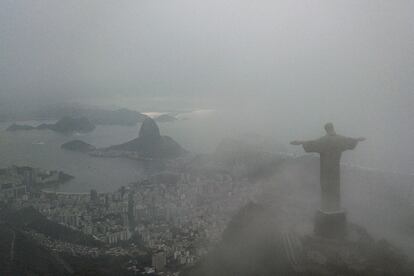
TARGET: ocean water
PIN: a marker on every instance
(41, 149)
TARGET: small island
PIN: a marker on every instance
(16, 127)
(78, 145)
(64, 125)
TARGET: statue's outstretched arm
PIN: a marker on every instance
(297, 143)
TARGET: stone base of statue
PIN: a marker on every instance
(331, 225)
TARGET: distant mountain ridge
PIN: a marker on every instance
(64, 125)
(96, 115)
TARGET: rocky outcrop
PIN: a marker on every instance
(151, 144)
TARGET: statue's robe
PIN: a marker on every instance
(330, 148)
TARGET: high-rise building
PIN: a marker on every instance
(159, 260)
(94, 196)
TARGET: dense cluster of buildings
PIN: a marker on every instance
(17, 183)
(103, 216)
(174, 216)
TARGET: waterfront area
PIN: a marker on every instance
(172, 219)
(42, 149)
(19, 182)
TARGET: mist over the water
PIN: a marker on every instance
(167, 142)
(277, 68)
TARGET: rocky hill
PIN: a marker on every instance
(151, 144)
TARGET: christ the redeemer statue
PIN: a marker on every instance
(330, 148)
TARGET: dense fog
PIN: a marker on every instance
(292, 65)
(262, 73)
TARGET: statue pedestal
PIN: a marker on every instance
(330, 224)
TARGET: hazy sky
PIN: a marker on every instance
(293, 64)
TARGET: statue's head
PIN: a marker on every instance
(330, 129)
